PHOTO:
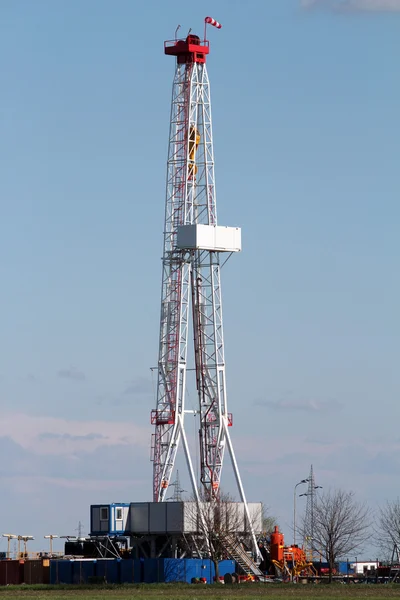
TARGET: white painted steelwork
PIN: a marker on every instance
(209, 237)
(157, 518)
(191, 279)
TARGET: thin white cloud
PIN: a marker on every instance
(50, 435)
(316, 406)
(138, 386)
(109, 463)
(20, 483)
(353, 5)
(31, 378)
(72, 373)
(319, 441)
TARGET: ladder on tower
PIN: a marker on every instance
(236, 551)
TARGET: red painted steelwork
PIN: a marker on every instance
(189, 50)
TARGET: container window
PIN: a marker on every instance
(118, 514)
(104, 513)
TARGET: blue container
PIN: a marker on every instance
(82, 570)
(173, 569)
(109, 569)
(181, 570)
(199, 568)
(60, 571)
(225, 566)
(168, 570)
(151, 570)
(184, 570)
(342, 567)
(130, 571)
(195, 567)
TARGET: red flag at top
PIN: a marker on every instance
(211, 21)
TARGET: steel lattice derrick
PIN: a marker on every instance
(174, 295)
(190, 199)
(210, 366)
(191, 276)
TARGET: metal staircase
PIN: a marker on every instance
(238, 554)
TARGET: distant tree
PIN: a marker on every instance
(340, 525)
(268, 521)
(388, 527)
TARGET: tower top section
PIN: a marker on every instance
(189, 50)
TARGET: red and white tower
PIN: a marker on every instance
(191, 284)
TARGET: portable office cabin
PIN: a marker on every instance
(174, 518)
(109, 519)
(156, 517)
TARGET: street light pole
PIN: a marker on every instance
(9, 536)
(51, 537)
(294, 509)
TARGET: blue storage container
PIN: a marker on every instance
(173, 569)
(168, 570)
(344, 568)
(60, 571)
(225, 566)
(198, 568)
(151, 570)
(82, 570)
(130, 571)
(184, 570)
(109, 569)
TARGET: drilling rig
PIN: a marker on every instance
(191, 285)
(195, 247)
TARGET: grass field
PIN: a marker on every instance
(199, 592)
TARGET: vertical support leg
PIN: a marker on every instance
(240, 486)
(189, 463)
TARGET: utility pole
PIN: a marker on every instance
(79, 529)
(309, 517)
(178, 491)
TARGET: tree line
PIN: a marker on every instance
(341, 526)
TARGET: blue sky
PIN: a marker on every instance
(305, 114)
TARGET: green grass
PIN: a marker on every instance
(199, 592)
